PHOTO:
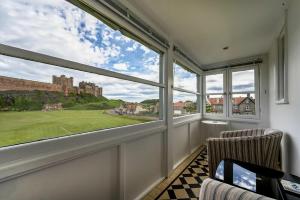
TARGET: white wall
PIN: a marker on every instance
(286, 117)
(126, 169)
(143, 164)
(186, 139)
(90, 177)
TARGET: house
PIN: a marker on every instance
(243, 105)
(178, 108)
(216, 104)
(240, 105)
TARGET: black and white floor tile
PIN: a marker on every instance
(187, 185)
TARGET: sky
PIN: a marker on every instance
(184, 79)
(242, 81)
(58, 28)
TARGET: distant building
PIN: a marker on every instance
(243, 105)
(178, 108)
(181, 107)
(52, 107)
(240, 105)
(216, 104)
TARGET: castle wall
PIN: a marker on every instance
(60, 84)
(90, 88)
(8, 83)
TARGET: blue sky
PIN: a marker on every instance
(58, 28)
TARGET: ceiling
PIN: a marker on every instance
(203, 27)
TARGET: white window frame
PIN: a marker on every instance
(281, 80)
(215, 115)
(21, 159)
(256, 92)
(184, 65)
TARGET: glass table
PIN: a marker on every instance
(251, 177)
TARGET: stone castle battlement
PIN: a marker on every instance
(8, 83)
(59, 84)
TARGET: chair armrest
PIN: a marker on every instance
(242, 133)
(216, 190)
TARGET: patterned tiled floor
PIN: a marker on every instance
(187, 184)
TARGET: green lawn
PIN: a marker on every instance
(21, 127)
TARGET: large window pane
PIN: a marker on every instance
(39, 101)
(184, 79)
(243, 104)
(243, 81)
(184, 103)
(58, 28)
(214, 83)
(214, 104)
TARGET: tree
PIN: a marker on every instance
(190, 107)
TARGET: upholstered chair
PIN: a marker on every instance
(256, 146)
(216, 190)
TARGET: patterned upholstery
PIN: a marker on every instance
(216, 190)
(257, 146)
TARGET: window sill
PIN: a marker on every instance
(233, 119)
(283, 101)
(178, 121)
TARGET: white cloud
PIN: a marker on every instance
(121, 66)
(123, 38)
(145, 49)
(59, 37)
(184, 79)
(214, 83)
(183, 96)
(57, 28)
(133, 47)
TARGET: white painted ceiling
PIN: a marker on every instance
(203, 27)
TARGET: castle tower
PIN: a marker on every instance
(66, 83)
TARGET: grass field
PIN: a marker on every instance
(21, 127)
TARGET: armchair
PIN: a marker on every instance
(216, 190)
(256, 146)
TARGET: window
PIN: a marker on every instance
(281, 71)
(40, 101)
(232, 93)
(243, 92)
(214, 93)
(184, 103)
(184, 78)
(186, 95)
(85, 39)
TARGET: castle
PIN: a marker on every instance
(83, 88)
(59, 84)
